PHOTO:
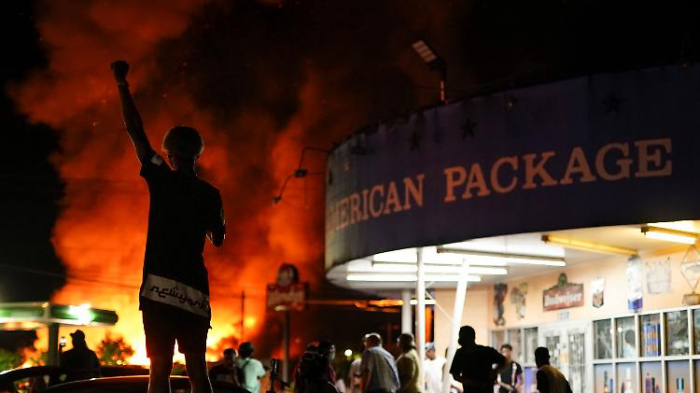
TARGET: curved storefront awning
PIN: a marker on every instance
(604, 150)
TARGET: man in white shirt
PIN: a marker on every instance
(434, 367)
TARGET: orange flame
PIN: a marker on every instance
(100, 234)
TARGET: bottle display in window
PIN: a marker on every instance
(651, 335)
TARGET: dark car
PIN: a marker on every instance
(134, 384)
(37, 379)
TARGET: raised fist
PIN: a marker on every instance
(120, 69)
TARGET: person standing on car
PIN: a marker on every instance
(475, 365)
(251, 370)
(80, 362)
(227, 371)
(184, 211)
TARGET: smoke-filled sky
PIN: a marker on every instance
(261, 80)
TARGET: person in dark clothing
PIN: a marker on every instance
(313, 375)
(184, 211)
(228, 370)
(327, 350)
(475, 365)
(510, 378)
(80, 362)
(549, 379)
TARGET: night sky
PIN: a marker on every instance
(240, 57)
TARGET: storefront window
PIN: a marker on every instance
(514, 341)
(651, 335)
(696, 326)
(651, 377)
(626, 378)
(677, 333)
(603, 339)
(531, 344)
(604, 382)
(626, 345)
(678, 376)
(498, 338)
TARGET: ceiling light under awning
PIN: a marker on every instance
(379, 277)
(588, 246)
(670, 235)
(386, 267)
(474, 257)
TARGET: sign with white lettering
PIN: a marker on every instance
(601, 150)
(563, 295)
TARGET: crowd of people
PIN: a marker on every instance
(474, 369)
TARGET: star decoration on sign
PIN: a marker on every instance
(468, 128)
(612, 104)
(415, 141)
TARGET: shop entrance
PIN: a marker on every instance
(570, 345)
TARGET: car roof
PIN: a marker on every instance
(132, 383)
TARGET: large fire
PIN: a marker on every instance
(100, 234)
(280, 97)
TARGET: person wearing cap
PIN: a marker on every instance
(251, 370)
(80, 362)
(475, 365)
(549, 379)
(408, 365)
(434, 367)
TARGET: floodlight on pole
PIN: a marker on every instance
(435, 62)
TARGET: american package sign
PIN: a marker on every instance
(600, 150)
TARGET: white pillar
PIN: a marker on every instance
(406, 320)
(460, 296)
(420, 310)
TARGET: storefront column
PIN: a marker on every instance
(420, 308)
(460, 296)
(406, 320)
(52, 357)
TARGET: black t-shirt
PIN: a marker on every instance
(80, 363)
(474, 364)
(507, 375)
(183, 209)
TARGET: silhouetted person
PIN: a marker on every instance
(408, 365)
(251, 369)
(184, 211)
(313, 374)
(227, 371)
(378, 368)
(327, 350)
(475, 365)
(549, 379)
(80, 362)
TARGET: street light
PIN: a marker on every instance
(435, 62)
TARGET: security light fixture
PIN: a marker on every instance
(588, 246)
(434, 61)
(510, 259)
(670, 235)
